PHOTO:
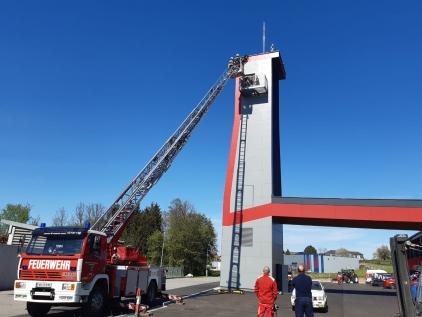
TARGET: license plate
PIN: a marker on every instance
(42, 284)
(320, 305)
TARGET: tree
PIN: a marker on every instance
(322, 250)
(310, 250)
(342, 252)
(288, 252)
(19, 213)
(189, 237)
(86, 213)
(155, 249)
(94, 212)
(382, 253)
(60, 218)
(143, 225)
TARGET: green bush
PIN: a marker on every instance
(213, 273)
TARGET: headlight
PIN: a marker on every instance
(68, 287)
(20, 285)
(320, 298)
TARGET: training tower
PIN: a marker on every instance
(253, 175)
(254, 210)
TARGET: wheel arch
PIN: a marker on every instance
(100, 279)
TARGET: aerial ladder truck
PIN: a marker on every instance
(409, 295)
(85, 267)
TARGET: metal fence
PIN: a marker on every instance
(174, 271)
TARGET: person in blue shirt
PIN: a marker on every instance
(303, 285)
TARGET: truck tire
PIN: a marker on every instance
(325, 309)
(151, 294)
(95, 304)
(392, 286)
(37, 309)
(293, 308)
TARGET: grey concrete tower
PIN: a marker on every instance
(251, 238)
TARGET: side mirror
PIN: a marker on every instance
(21, 243)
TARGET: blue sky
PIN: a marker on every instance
(89, 91)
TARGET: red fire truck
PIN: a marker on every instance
(77, 267)
(86, 267)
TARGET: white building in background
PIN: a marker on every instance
(352, 254)
(215, 266)
(319, 263)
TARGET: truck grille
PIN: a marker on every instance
(28, 274)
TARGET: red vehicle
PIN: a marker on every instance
(389, 283)
(74, 266)
(87, 267)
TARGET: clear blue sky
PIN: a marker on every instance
(89, 91)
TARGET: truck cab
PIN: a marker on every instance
(61, 265)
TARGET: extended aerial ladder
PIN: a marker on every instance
(116, 217)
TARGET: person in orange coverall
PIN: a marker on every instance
(266, 291)
(339, 279)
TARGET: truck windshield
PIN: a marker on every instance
(42, 245)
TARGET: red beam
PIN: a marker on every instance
(376, 217)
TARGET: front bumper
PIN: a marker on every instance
(315, 303)
(52, 293)
(319, 304)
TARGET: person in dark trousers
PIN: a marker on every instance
(266, 291)
(303, 285)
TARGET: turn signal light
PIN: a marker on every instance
(68, 287)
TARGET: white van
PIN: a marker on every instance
(370, 273)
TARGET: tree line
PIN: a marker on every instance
(180, 236)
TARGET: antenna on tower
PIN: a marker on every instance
(263, 38)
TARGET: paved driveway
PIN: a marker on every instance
(346, 300)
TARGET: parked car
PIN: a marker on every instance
(370, 274)
(378, 279)
(319, 297)
(389, 282)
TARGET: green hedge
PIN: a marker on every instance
(213, 273)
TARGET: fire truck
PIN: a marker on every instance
(87, 267)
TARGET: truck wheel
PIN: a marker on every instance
(37, 309)
(325, 309)
(151, 294)
(293, 308)
(95, 304)
(392, 286)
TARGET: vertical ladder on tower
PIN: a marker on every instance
(115, 218)
(237, 225)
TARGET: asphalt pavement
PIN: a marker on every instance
(346, 300)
